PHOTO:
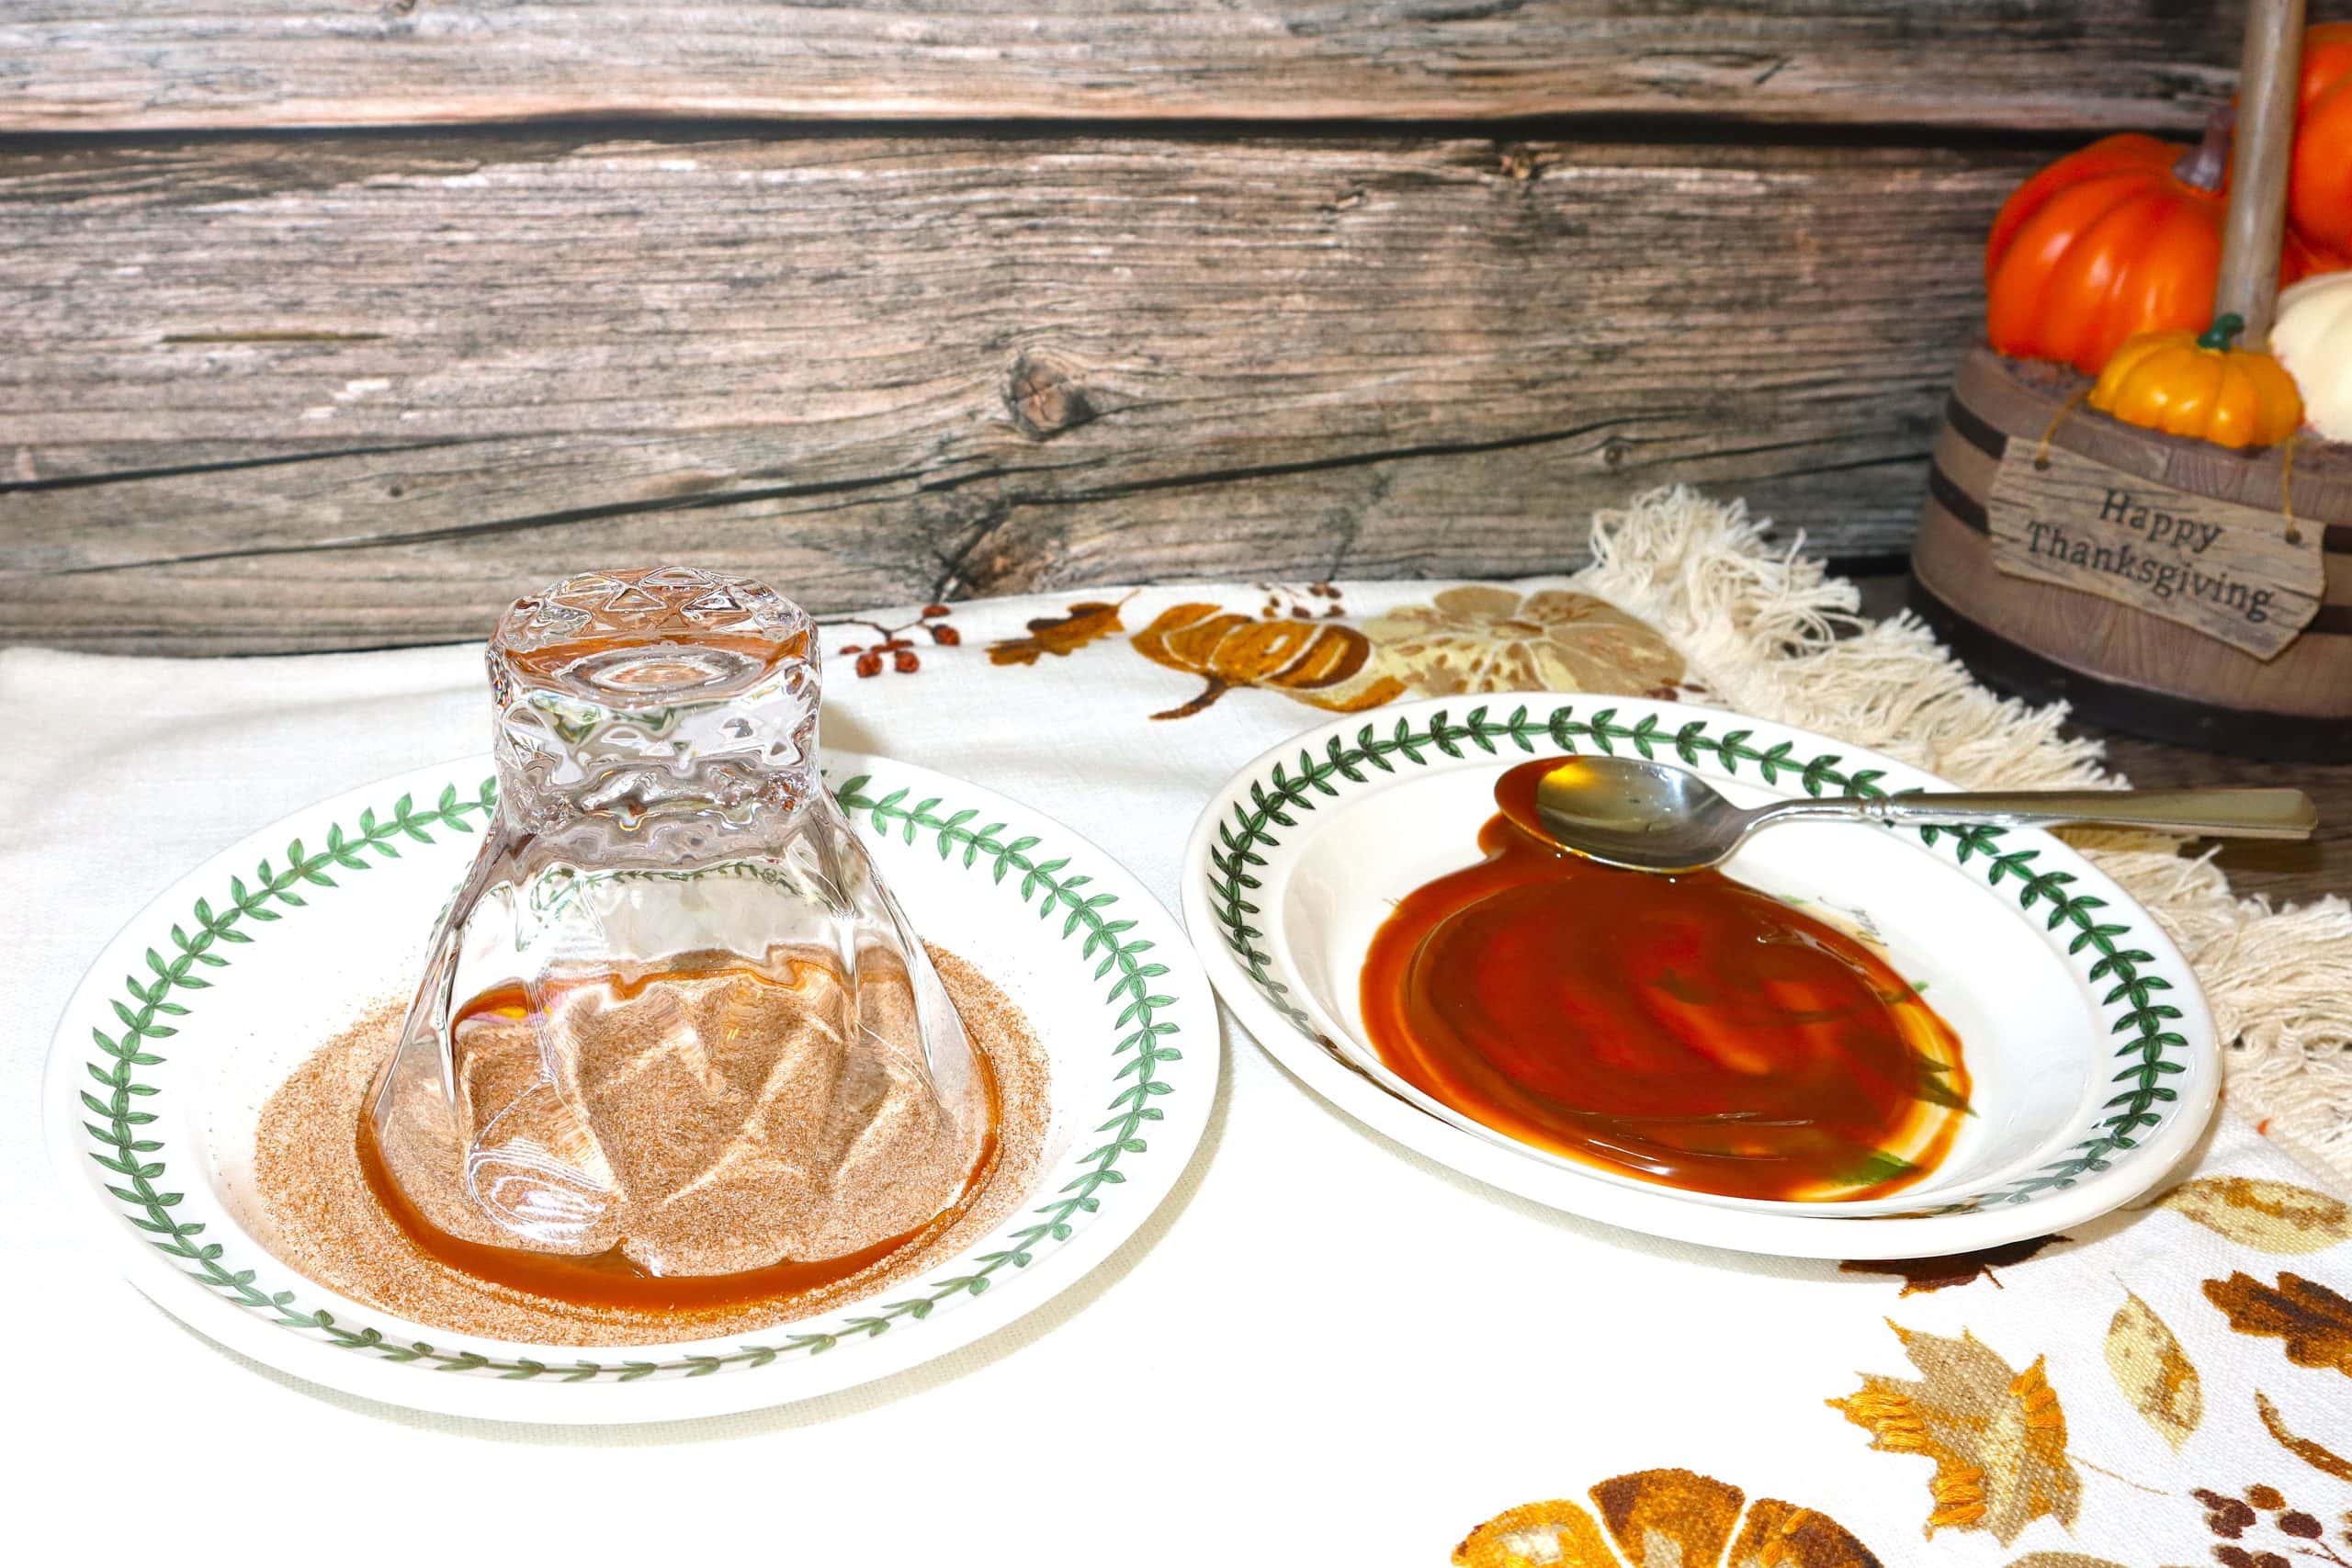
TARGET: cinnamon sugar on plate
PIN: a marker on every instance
(326, 1222)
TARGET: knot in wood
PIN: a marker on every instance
(1045, 397)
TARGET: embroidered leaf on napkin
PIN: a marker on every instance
(2300, 1446)
(1060, 636)
(2313, 1454)
(2061, 1560)
(1998, 1437)
(1483, 638)
(2153, 1371)
(2269, 1216)
(2314, 1321)
(1957, 1269)
(1660, 1517)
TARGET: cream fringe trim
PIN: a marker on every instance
(1770, 633)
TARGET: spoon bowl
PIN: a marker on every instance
(1625, 813)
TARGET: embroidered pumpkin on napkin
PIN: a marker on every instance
(1320, 663)
(1659, 1516)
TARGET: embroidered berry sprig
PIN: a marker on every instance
(893, 644)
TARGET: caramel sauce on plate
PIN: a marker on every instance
(610, 1278)
(1688, 1029)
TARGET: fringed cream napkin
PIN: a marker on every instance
(1770, 633)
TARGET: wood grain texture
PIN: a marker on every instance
(164, 64)
(284, 395)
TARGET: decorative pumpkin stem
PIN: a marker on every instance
(1216, 688)
(2206, 164)
(2225, 327)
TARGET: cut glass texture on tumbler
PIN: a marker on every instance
(672, 1022)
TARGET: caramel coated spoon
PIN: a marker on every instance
(1647, 817)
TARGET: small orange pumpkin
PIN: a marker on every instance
(2121, 238)
(2319, 188)
(2200, 386)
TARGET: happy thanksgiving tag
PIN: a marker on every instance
(2219, 567)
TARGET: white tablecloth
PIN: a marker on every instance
(1322, 1350)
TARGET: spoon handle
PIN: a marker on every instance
(2208, 813)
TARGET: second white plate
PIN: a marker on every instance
(2089, 1043)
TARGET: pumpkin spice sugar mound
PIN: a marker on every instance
(730, 1118)
(325, 1220)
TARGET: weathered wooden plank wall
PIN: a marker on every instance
(911, 368)
(2056, 65)
(266, 388)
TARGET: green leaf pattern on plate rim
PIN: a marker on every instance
(126, 1151)
(2134, 1008)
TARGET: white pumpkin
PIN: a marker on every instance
(2313, 340)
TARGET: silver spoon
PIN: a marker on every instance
(1647, 817)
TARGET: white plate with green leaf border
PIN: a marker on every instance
(2089, 1041)
(179, 1033)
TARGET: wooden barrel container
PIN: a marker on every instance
(2119, 665)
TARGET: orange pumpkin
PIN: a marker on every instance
(2121, 238)
(2201, 387)
(2319, 189)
